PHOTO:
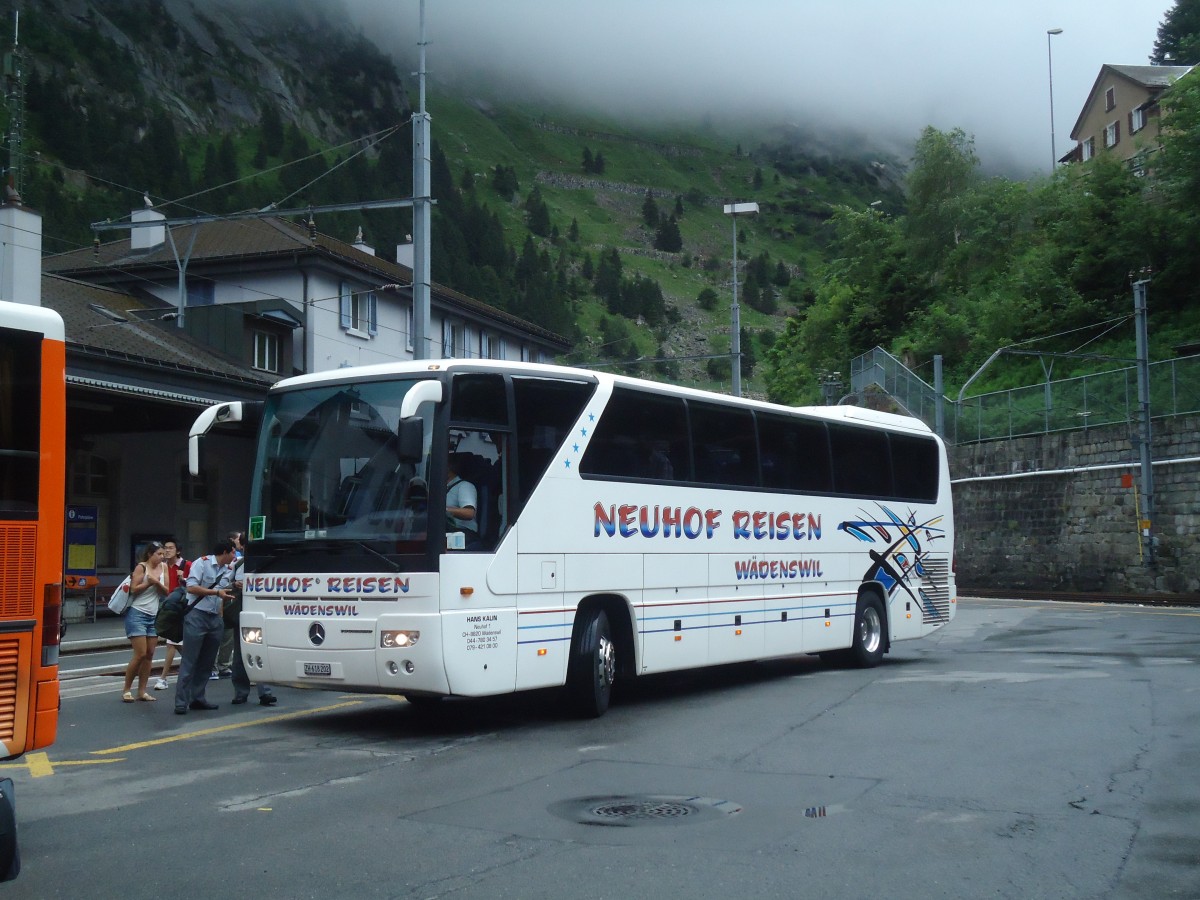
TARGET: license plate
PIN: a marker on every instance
(325, 669)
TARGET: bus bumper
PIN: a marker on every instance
(349, 660)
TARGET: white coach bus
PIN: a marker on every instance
(621, 527)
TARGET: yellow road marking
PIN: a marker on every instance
(39, 764)
(204, 732)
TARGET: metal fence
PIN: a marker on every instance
(1106, 398)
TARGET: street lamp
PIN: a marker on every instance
(733, 210)
(1050, 32)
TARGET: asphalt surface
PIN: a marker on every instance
(1028, 750)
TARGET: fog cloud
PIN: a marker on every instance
(883, 69)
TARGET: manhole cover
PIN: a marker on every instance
(627, 812)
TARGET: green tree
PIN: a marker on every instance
(504, 181)
(1178, 42)
(537, 213)
(272, 128)
(944, 167)
(1177, 170)
(707, 299)
(608, 277)
(668, 238)
(650, 211)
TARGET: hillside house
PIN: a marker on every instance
(1121, 115)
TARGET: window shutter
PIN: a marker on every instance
(346, 301)
(1116, 132)
(372, 314)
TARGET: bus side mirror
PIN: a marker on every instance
(410, 436)
(246, 414)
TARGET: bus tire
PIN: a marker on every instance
(867, 650)
(592, 667)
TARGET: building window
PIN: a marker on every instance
(490, 346)
(1112, 134)
(359, 311)
(266, 351)
(452, 339)
(1089, 148)
(200, 292)
(192, 488)
(90, 476)
(1110, 99)
(1137, 120)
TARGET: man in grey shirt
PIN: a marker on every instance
(208, 588)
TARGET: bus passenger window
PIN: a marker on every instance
(640, 436)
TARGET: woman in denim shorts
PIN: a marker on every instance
(147, 587)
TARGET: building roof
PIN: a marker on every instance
(263, 239)
(134, 346)
(1154, 79)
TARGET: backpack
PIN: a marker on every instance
(169, 622)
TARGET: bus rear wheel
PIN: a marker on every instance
(592, 668)
(867, 651)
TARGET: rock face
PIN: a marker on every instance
(214, 65)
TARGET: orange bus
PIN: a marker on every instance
(32, 497)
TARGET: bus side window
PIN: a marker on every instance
(546, 410)
(640, 435)
(795, 454)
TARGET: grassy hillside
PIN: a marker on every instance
(701, 171)
(118, 105)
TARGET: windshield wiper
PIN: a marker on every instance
(376, 553)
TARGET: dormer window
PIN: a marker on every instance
(266, 352)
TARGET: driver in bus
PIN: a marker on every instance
(461, 499)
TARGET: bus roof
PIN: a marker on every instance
(27, 317)
(431, 367)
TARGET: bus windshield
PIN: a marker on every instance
(329, 469)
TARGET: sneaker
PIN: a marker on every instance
(161, 684)
(226, 673)
(214, 676)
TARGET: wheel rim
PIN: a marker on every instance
(870, 629)
(606, 662)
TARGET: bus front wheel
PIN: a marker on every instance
(867, 651)
(593, 666)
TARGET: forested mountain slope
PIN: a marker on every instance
(609, 234)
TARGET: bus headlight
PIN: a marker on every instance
(252, 635)
(395, 640)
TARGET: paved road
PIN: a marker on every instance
(1029, 750)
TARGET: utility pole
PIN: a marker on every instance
(421, 210)
(1146, 524)
(14, 96)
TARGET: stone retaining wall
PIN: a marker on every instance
(1064, 521)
